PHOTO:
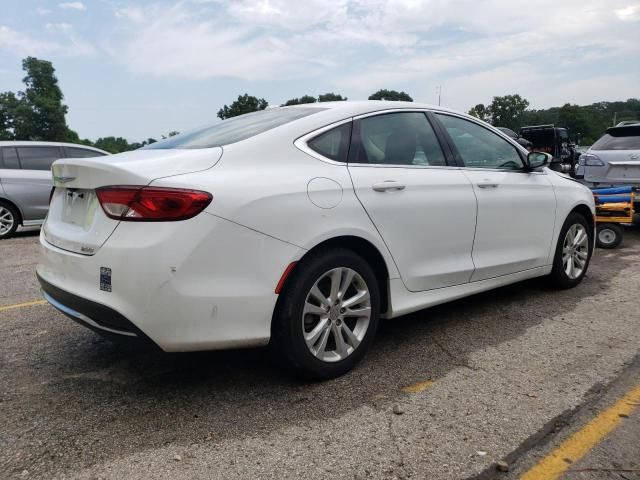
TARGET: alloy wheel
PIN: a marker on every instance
(6, 220)
(575, 251)
(336, 314)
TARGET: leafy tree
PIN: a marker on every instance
(299, 101)
(8, 105)
(331, 97)
(391, 95)
(508, 111)
(244, 104)
(113, 144)
(481, 112)
(172, 133)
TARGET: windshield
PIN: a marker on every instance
(234, 129)
(620, 138)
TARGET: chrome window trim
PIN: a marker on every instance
(301, 142)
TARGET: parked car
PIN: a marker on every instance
(554, 141)
(25, 180)
(521, 140)
(614, 159)
(302, 226)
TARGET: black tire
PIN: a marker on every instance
(288, 328)
(558, 276)
(609, 235)
(8, 211)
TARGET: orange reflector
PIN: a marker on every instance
(284, 276)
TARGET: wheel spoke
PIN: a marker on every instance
(351, 337)
(359, 297)
(336, 276)
(569, 268)
(318, 295)
(312, 337)
(357, 312)
(313, 309)
(579, 238)
(346, 281)
(322, 344)
(341, 346)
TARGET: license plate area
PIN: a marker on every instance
(78, 206)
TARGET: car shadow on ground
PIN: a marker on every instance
(83, 387)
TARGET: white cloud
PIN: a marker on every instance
(58, 26)
(79, 6)
(43, 11)
(629, 13)
(19, 44)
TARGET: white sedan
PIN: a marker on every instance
(302, 226)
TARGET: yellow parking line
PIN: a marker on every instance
(579, 444)
(417, 387)
(20, 305)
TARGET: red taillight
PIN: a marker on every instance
(151, 204)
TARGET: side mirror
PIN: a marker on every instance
(538, 159)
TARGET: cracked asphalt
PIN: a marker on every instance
(500, 375)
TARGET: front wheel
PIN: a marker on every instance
(328, 314)
(573, 252)
(8, 220)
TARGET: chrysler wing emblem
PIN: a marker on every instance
(63, 179)
(634, 156)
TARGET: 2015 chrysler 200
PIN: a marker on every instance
(302, 226)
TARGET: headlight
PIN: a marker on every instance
(590, 160)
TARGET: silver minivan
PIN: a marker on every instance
(25, 180)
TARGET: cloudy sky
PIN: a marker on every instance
(140, 68)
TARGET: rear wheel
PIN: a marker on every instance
(573, 252)
(609, 235)
(9, 220)
(328, 314)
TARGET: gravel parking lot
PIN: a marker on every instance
(444, 394)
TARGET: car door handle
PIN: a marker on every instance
(487, 185)
(388, 185)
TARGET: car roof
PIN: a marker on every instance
(33, 143)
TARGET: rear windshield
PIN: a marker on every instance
(621, 138)
(234, 129)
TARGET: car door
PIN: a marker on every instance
(423, 207)
(516, 208)
(30, 185)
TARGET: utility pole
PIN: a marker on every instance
(439, 92)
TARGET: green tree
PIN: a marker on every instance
(40, 113)
(299, 101)
(508, 111)
(172, 133)
(481, 112)
(113, 144)
(331, 97)
(391, 95)
(244, 104)
(8, 105)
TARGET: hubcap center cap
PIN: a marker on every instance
(334, 313)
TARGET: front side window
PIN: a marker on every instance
(9, 158)
(234, 129)
(333, 144)
(479, 147)
(38, 158)
(404, 138)
(82, 153)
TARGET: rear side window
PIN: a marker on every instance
(9, 158)
(619, 139)
(234, 129)
(38, 158)
(333, 144)
(405, 138)
(82, 153)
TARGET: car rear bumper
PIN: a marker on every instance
(201, 284)
(99, 318)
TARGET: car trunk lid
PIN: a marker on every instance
(76, 221)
